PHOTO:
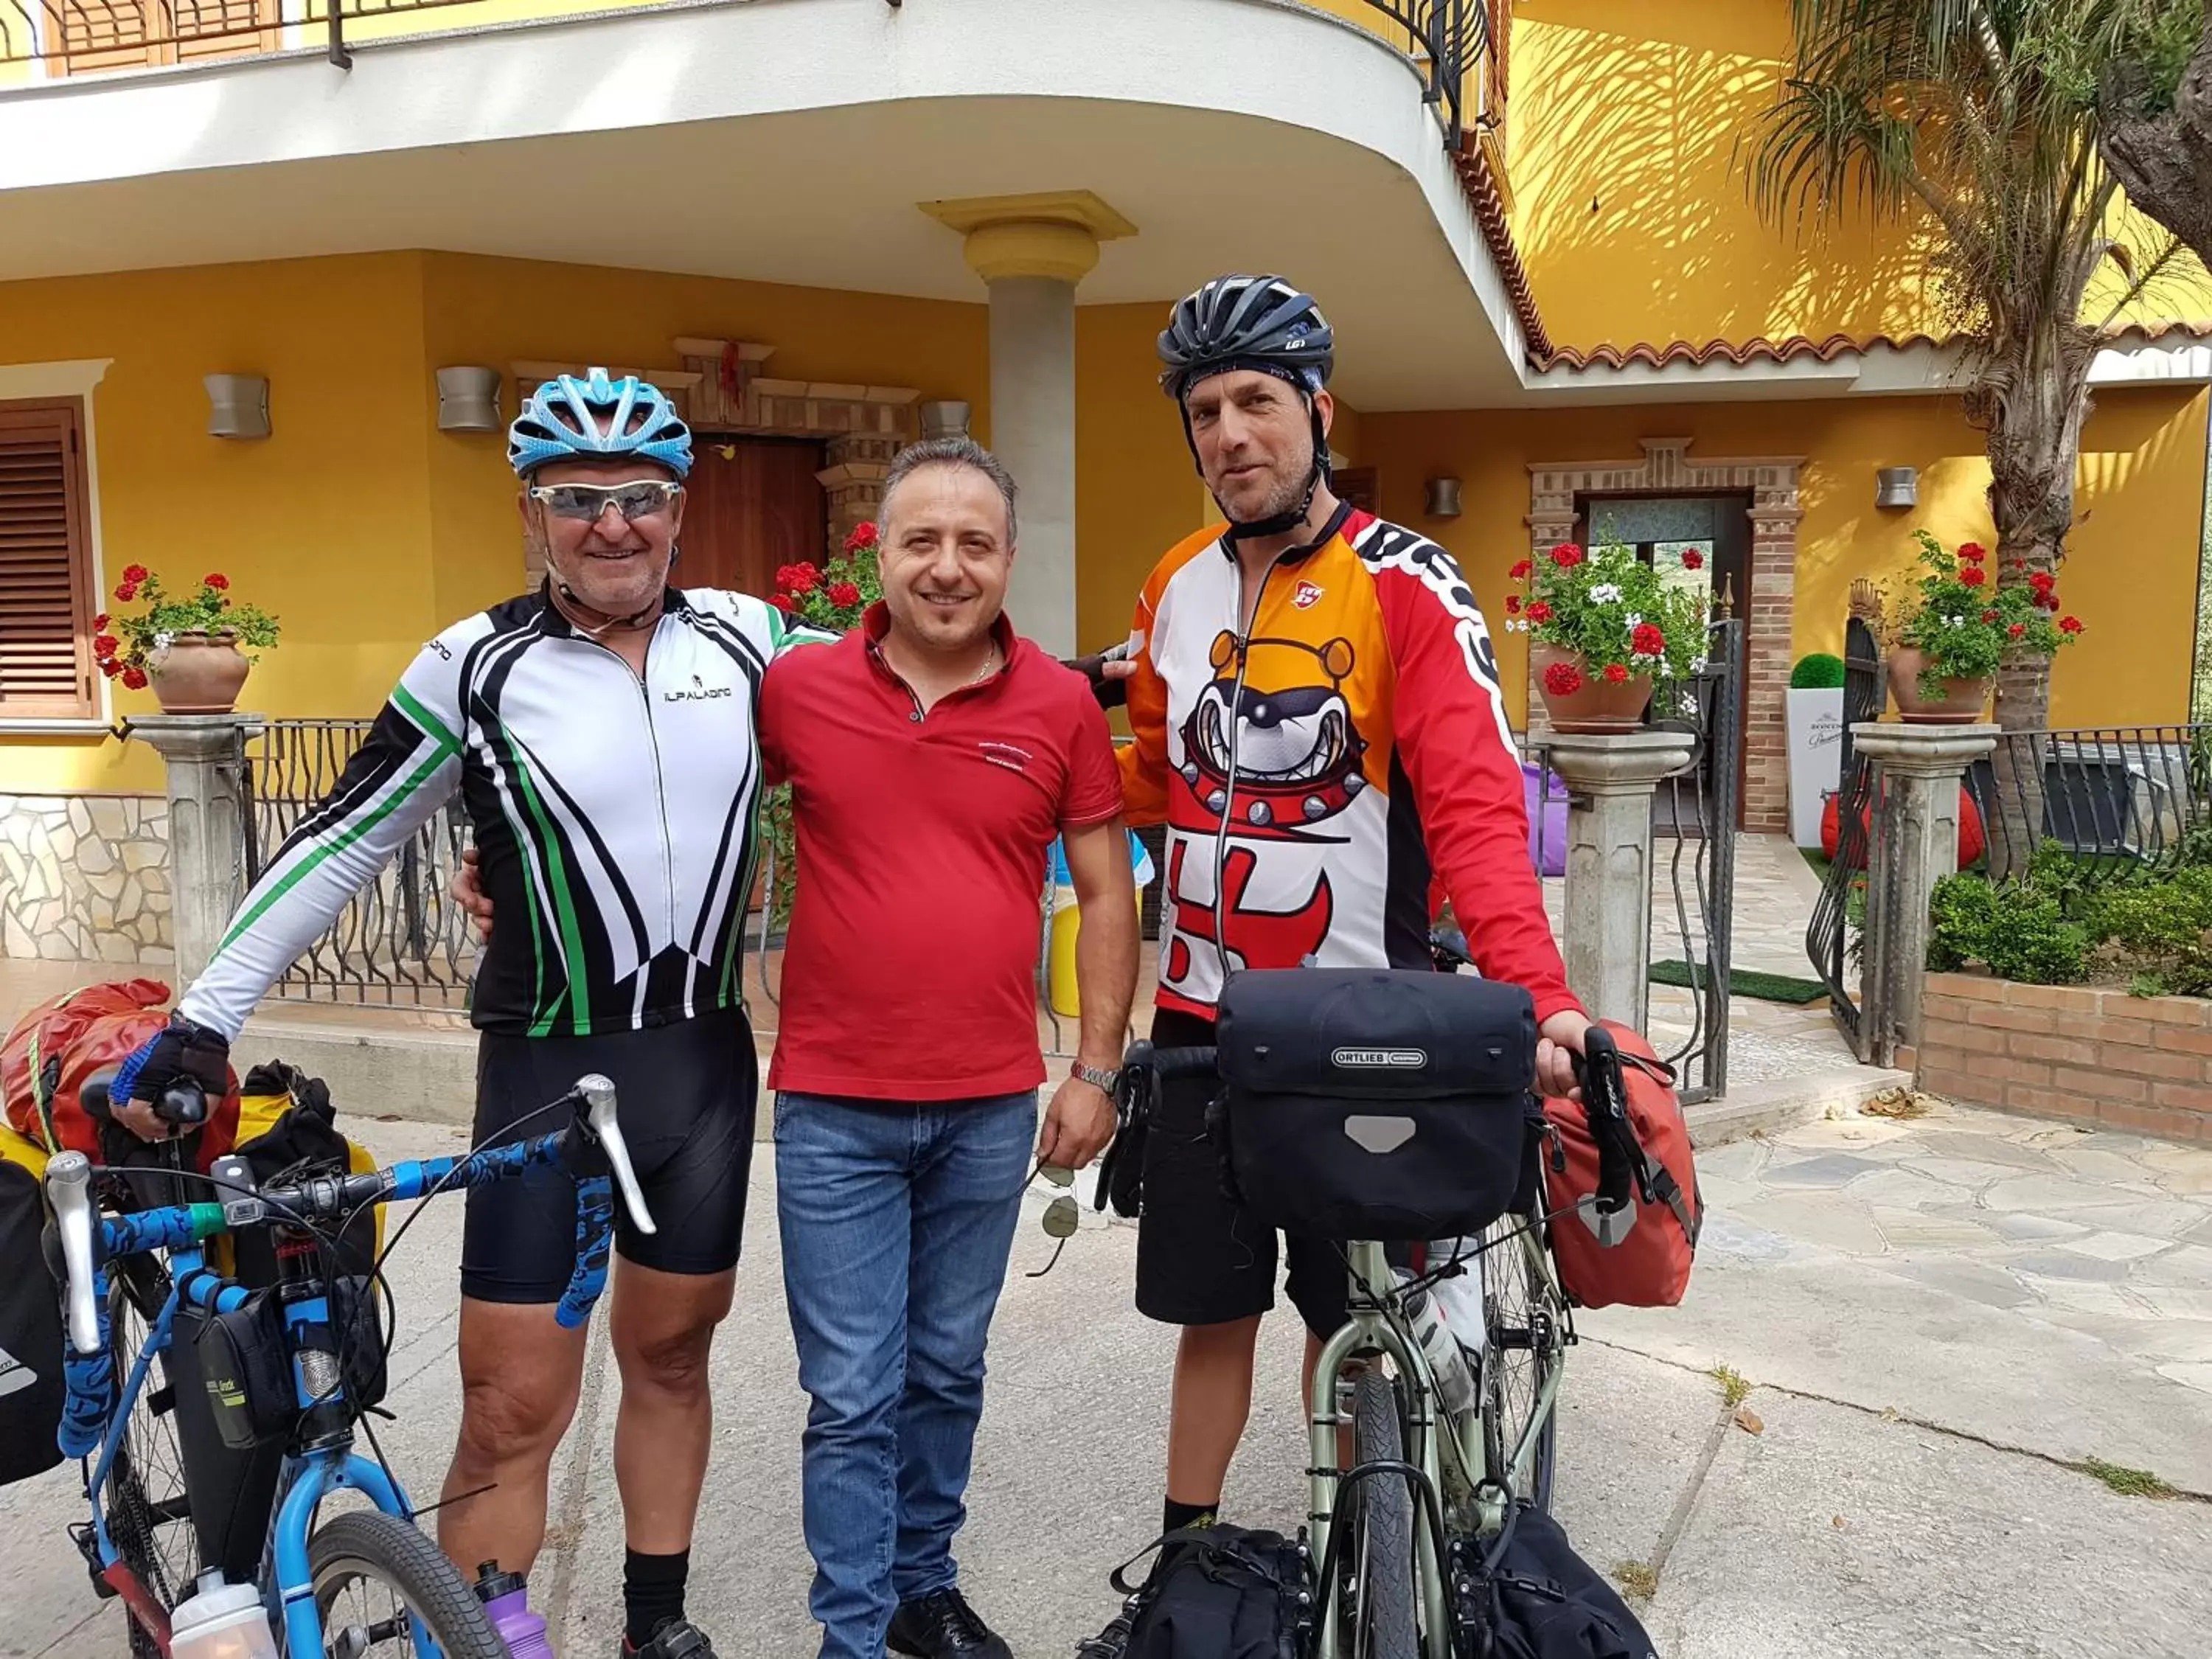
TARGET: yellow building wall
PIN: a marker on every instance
(2131, 573)
(1633, 126)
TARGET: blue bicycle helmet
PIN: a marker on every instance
(568, 419)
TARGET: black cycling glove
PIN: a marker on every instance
(1110, 693)
(180, 1052)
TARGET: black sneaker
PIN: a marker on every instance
(942, 1625)
(677, 1639)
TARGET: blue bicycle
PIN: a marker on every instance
(290, 1369)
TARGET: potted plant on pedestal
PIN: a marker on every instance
(1959, 627)
(1603, 627)
(189, 648)
(833, 600)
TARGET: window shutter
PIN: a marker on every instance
(46, 573)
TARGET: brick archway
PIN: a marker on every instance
(1773, 482)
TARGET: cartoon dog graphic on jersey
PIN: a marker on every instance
(1297, 758)
(1296, 752)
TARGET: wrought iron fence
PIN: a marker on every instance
(2125, 804)
(401, 941)
(1836, 914)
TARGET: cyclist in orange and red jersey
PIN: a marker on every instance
(1319, 723)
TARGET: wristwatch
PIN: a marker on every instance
(1104, 1081)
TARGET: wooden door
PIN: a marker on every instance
(751, 504)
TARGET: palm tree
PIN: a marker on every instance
(2154, 103)
(1978, 116)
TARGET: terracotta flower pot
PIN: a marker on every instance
(1597, 704)
(1962, 702)
(199, 674)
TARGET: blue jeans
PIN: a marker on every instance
(898, 1220)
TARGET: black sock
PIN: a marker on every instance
(652, 1592)
(1175, 1516)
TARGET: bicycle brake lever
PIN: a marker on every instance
(598, 1097)
(69, 1190)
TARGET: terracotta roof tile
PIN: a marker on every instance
(1759, 349)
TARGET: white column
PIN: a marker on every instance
(203, 755)
(1917, 774)
(1608, 920)
(1033, 432)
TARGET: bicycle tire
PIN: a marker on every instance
(1527, 1322)
(1385, 1625)
(146, 1485)
(366, 1544)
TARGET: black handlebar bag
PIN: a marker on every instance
(1380, 1104)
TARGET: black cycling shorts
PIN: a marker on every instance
(1201, 1260)
(684, 1096)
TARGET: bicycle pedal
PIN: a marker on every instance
(88, 1544)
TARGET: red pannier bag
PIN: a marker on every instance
(1651, 1267)
(46, 1058)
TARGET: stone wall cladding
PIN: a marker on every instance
(85, 879)
(2141, 1065)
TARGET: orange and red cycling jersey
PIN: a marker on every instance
(1373, 750)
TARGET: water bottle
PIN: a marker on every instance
(221, 1621)
(506, 1603)
(1460, 1296)
(1455, 1382)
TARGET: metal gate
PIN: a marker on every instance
(1840, 911)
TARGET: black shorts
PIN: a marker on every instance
(1201, 1260)
(684, 1096)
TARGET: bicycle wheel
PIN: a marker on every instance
(150, 1517)
(1525, 1314)
(380, 1583)
(1384, 1626)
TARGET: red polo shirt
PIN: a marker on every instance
(910, 969)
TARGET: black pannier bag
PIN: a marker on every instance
(30, 1332)
(1529, 1595)
(1370, 1104)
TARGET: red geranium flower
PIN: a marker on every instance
(103, 644)
(2047, 599)
(100, 623)
(1615, 674)
(2017, 630)
(1989, 616)
(1563, 680)
(134, 574)
(1973, 575)
(1539, 612)
(2069, 625)
(1566, 555)
(1521, 570)
(135, 679)
(2042, 581)
(1692, 560)
(781, 602)
(863, 536)
(1512, 604)
(214, 579)
(805, 579)
(1974, 552)
(844, 593)
(127, 591)
(1648, 640)
(110, 667)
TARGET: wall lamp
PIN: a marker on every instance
(1896, 487)
(946, 417)
(1444, 498)
(238, 406)
(468, 399)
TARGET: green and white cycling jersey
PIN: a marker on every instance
(614, 815)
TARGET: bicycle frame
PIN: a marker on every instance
(1376, 1328)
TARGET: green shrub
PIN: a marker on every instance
(2013, 927)
(2163, 933)
(1820, 672)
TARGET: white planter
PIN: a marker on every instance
(1816, 756)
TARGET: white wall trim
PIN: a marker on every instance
(72, 377)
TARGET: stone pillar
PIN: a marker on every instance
(1031, 250)
(1607, 926)
(853, 482)
(205, 756)
(1917, 774)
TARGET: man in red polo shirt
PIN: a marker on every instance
(933, 754)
